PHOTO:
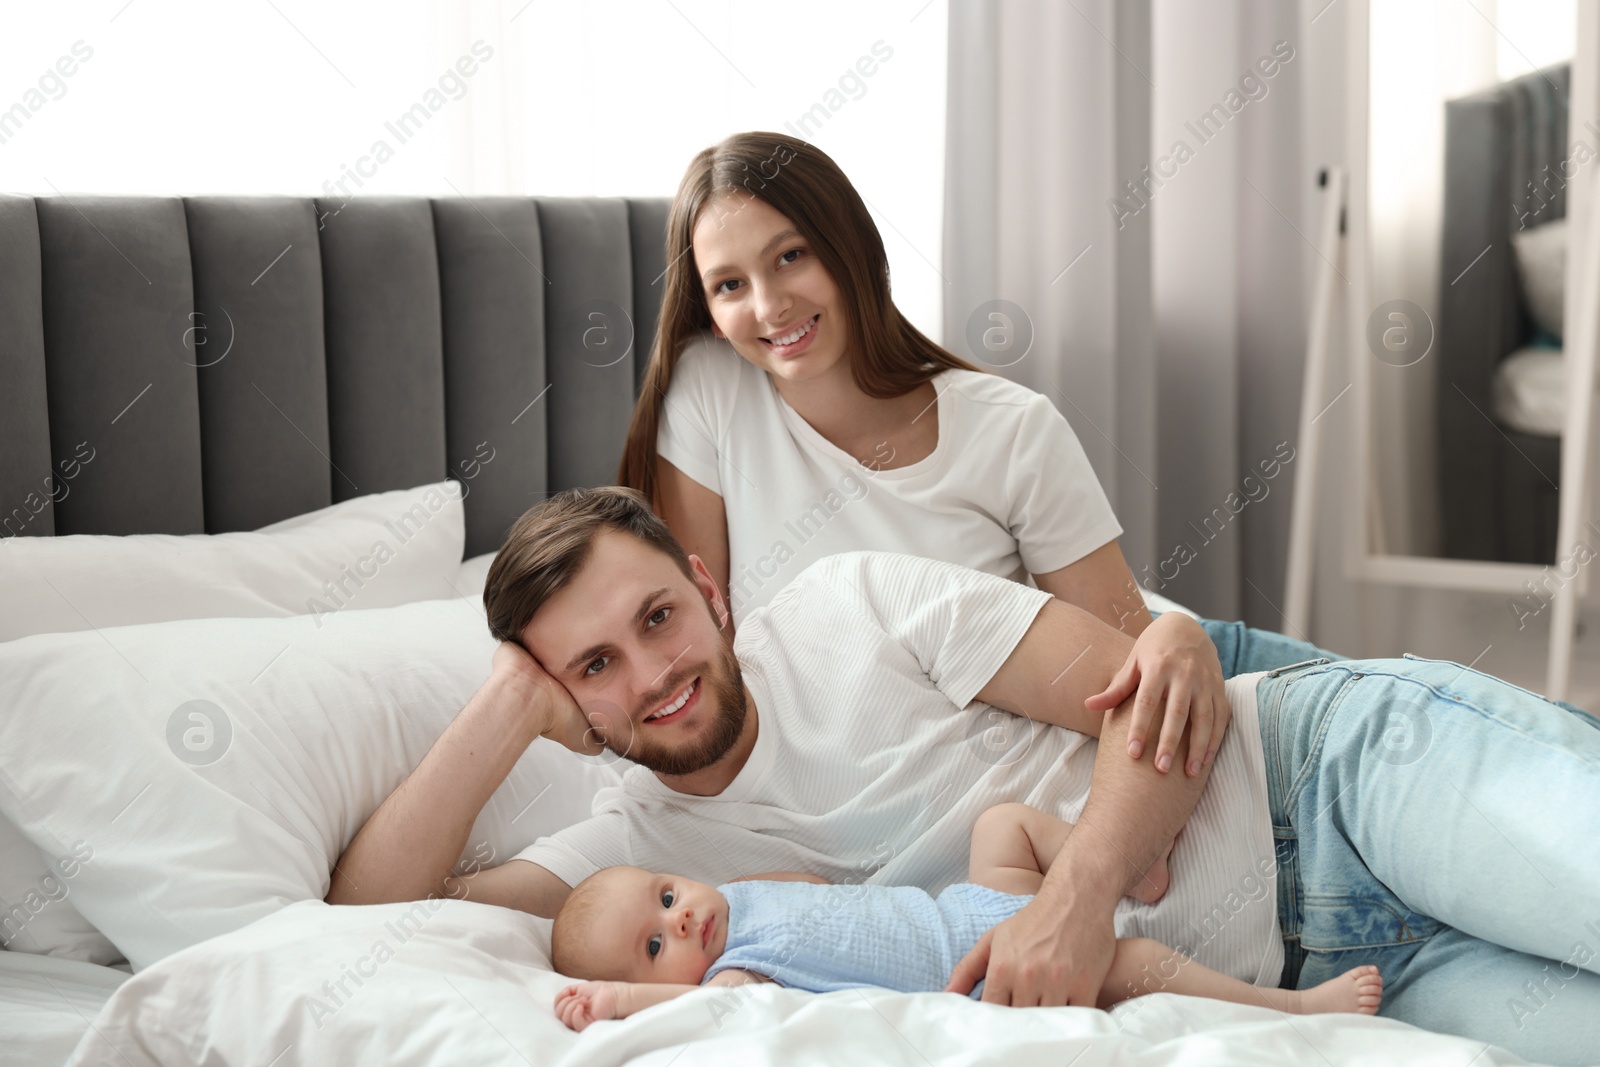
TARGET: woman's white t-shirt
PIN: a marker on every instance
(1007, 489)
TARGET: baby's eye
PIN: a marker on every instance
(654, 947)
(667, 897)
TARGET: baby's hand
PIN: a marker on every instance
(585, 1003)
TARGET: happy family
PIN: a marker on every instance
(815, 798)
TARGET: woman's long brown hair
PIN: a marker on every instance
(888, 356)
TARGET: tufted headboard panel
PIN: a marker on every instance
(207, 364)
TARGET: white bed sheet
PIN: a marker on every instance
(470, 983)
(46, 1004)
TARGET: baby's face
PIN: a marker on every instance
(659, 927)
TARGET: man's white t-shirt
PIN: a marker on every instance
(1007, 489)
(870, 766)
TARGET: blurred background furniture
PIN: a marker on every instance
(1499, 373)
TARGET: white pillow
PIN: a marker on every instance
(372, 552)
(1529, 391)
(473, 574)
(1542, 261)
(73, 583)
(35, 915)
(426, 984)
(218, 768)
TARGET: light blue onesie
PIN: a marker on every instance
(828, 937)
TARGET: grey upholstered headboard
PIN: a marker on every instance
(206, 364)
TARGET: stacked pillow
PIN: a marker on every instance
(1541, 253)
(163, 782)
(371, 552)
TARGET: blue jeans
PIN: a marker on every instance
(1245, 650)
(1441, 824)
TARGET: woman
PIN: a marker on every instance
(813, 418)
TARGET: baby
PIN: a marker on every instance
(645, 938)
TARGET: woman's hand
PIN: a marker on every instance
(585, 1003)
(1173, 663)
(561, 720)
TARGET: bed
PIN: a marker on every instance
(253, 455)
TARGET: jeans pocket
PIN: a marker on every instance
(1336, 922)
(1286, 668)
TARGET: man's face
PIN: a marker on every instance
(638, 646)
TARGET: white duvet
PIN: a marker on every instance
(46, 1003)
(450, 982)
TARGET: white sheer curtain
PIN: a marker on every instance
(603, 98)
(1049, 111)
(1174, 345)
(1230, 274)
(1182, 351)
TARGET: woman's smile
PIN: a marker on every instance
(795, 341)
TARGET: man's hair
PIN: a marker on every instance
(569, 934)
(553, 540)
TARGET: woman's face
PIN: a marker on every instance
(764, 285)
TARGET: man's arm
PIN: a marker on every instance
(409, 847)
(519, 884)
(1064, 658)
(1133, 811)
(1057, 950)
(1174, 663)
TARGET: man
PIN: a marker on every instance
(847, 734)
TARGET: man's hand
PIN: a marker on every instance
(410, 846)
(562, 721)
(1040, 957)
(585, 1003)
(1173, 662)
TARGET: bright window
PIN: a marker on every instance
(609, 98)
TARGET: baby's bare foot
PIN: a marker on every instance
(1359, 990)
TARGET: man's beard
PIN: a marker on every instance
(721, 684)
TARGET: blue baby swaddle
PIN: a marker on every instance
(828, 937)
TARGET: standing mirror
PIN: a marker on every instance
(1471, 327)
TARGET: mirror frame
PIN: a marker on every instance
(1582, 324)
